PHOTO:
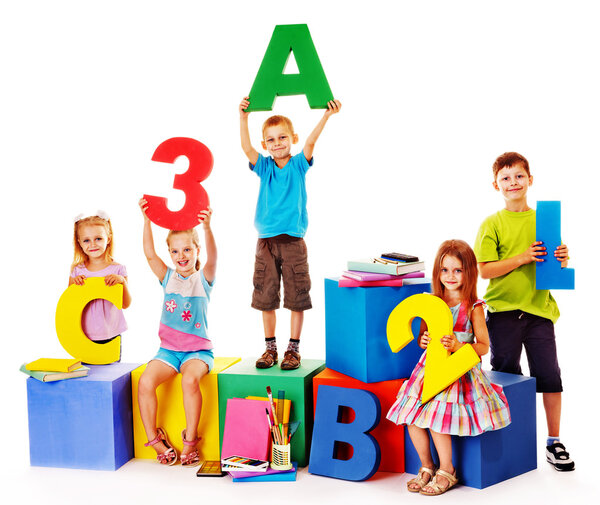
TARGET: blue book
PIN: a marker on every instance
(269, 476)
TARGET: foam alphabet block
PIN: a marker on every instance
(329, 430)
(171, 416)
(271, 82)
(244, 379)
(196, 197)
(548, 273)
(355, 325)
(82, 423)
(68, 321)
(387, 434)
(441, 367)
(494, 456)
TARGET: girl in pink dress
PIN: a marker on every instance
(93, 240)
(470, 405)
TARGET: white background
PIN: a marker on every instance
(432, 92)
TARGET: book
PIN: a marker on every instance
(237, 463)
(370, 265)
(411, 282)
(269, 476)
(373, 276)
(44, 376)
(53, 365)
(246, 430)
(344, 282)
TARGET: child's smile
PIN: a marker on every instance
(93, 240)
(278, 142)
(451, 273)
(183, 254)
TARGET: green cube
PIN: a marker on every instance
(244, 379)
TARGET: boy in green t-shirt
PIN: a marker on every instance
(518, 314)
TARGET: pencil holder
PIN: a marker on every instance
(280, 457)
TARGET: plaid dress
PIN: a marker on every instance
(469, 406)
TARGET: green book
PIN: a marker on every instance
(82, 371)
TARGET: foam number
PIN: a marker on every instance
(441, 367)
(271, 81)
(68, 321)
(196, 198)
(548, 273)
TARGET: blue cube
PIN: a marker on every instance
(355, 328)
(84, 422)
(494, 456)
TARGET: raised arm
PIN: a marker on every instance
(249, 151)
(156, 264)
(333, 107)
(210, 267)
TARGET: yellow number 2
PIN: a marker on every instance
(68, 321)
(441, 367)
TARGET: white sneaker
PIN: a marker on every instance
(558, 457)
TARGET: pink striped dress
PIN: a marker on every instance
(469, 406)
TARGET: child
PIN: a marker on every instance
(281, 221)
(518, 314)
(185, 346)
(93, 240)
(469, 406)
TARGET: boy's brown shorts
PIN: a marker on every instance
(276, 257)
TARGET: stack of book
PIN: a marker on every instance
(391, 269)
(52, 369)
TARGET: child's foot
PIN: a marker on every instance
(165, 453)
(267, 360)
(442, 481)
(423, 477)
(291, 360)
(189, 453)
(558, 457)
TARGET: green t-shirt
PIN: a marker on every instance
(503, 235)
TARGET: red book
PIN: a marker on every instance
(344, 282)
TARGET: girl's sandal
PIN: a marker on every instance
(437, 489)
(419, 480)
(193, 458)
(169, 457)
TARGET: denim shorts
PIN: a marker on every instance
(513, 330)
(177, 358)
(281, 257)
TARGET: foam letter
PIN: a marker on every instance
(271, 81)
(196, 198)
(441, 367)
(328, 430)
(549, 274)
(68, 321)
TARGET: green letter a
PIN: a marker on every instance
(271, 81)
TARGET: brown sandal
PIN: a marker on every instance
(169, 457)
(419, 480)
(291, 360)
(193, 458)
(267, 360)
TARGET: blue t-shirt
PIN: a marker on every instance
(183, 320)
(281, 206)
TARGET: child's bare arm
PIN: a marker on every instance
(210, 267)
(156, 264)
(249, 151)
(333, 107)
(493, 269)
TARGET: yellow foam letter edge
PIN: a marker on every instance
(441, 368)
(68, 321)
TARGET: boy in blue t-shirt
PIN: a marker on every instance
(281, 221)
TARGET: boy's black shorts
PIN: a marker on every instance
(509, 332)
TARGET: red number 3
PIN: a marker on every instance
(196, 198)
